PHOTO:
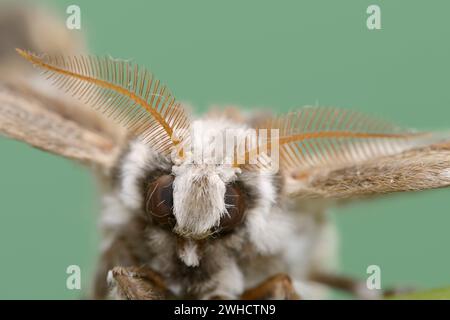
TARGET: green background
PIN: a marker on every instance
(280, 55)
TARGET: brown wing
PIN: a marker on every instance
(42, 117)
(417, 169)
(36, 119)
(333, 153)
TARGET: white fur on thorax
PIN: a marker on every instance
(114, 216)
(267, 226)
(189, 254)
(134, 166)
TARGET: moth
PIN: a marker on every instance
(247, 221)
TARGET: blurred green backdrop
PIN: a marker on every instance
(277, 54)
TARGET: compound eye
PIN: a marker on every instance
(235, 205)
(159, 201)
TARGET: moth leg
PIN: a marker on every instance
(277, 287)
(136, 283)
(117, 254)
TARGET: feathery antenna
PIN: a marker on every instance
(125, 92)
(321, 136)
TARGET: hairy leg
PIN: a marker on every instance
(136, 283)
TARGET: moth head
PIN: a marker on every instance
(193, 198)
(195, 203)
